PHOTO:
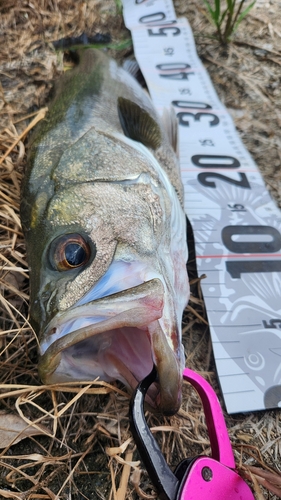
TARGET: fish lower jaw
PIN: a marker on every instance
(126, 354)
(121, 340)
(123, 354)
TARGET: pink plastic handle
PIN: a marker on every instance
(210, 480)
(219, 439)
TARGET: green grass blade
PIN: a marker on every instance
(227, 21)
(230, 6)
(223, 15)
(211, 11)
(119, 6)
(217, 10)
(243, 14)
(124, 44)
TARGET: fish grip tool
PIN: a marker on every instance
(200, 477)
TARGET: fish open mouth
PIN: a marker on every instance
(118, 337)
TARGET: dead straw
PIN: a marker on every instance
(86, 430)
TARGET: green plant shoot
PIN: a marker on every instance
(227, 20)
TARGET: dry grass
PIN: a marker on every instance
(80, 446)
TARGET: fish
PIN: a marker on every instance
(105, 230)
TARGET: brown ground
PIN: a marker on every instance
(74, 455)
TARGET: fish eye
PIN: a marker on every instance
(69, 252)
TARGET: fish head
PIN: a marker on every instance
(107, 277)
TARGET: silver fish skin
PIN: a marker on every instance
(102, 214)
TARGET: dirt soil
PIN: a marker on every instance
(80, 446)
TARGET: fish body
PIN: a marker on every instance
(101, 210)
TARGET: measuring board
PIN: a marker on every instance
(236, 224)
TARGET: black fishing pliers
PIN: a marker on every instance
(196, 478)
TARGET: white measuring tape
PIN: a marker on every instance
(236, 225)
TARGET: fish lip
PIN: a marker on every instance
(147, 294)
(134, 304)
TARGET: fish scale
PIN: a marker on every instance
(102, 213)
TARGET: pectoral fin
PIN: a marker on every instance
(137, 124)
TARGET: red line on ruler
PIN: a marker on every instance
(214, 169)
(238, 256)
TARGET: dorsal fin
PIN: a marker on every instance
(170, 124)
(132, 67)
(137, 124)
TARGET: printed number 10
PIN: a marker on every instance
(271, 243)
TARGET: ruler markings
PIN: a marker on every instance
(226, 342)
(228, 359)
(228, 325)
(239, 256)
(239, 392)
